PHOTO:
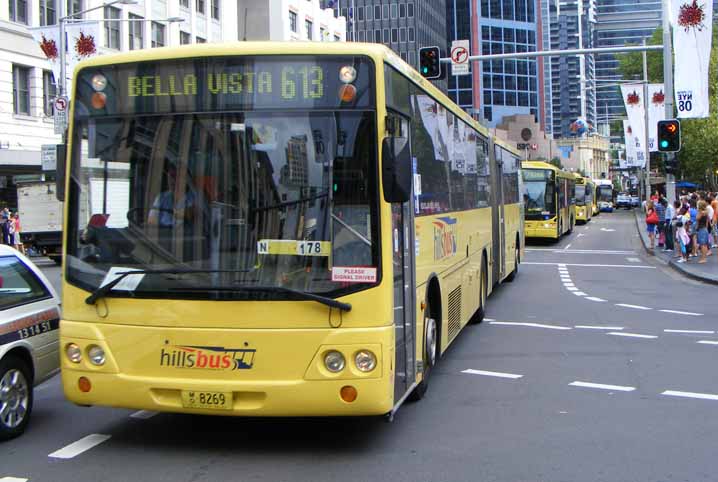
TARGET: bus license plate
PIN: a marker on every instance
(211, 400)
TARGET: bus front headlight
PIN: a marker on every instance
(365, 360)
(73, 352)
(334, 361)
(96, 355)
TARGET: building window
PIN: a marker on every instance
(136, 28)
(214, 6)
(199, 6)
(402, 34)
(47, 12)
(377, 12)
(368, 12)
(112, 27)
(309, 27)
(386, 12)
(18, 11)
(21, 89)
(322, 34)
(293, 21)
(410, 10)
(199, 40)
(362, 36)
(394, 35)
(75, 6)
(394, 10)
(377, 36)
(386, 36)
(185, 38)
(369, 35)
(49, 92)
(158, 35)
(402, 10)
(360, 13)
(184, 3)
(411, 34)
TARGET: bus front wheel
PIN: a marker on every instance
(431, 343)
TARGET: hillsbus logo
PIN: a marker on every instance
(444, 237)
(207, 357)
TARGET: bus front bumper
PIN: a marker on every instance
(541, 229)
(582, 214)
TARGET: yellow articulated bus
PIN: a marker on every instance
(549, 199)
(584, 195)
(274, 229)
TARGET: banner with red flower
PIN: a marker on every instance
(692, 34)
(635, 156)
(48, 40)
(82, 42)
(635, 108)
(656, 112)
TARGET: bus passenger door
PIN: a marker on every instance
(402, 220)
(498, 248)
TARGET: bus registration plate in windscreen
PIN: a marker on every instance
(211, 400)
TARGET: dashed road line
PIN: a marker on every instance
(632, 335)
(531, 325)
(594, 265)
(82, 445)
(708, 342)
(143, 414)
(492, 374)
(489, 319)
(593, 327)
(583, 251)
(635, 307)
(567, 246)
(594, 298)
(676, 312)
(695, 332)
(601, 386)
(702, 396)
(13, 479)
(579, 293)
(633, 260)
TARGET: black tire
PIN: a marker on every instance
(517, 259)
(431, 353)
(483, 290)
(56, 258)
(16, 397)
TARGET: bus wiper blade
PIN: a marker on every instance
(330, 302)
(103, 290)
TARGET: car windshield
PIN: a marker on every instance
(270, 199)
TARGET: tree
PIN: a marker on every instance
(699, 151)
(556, 162)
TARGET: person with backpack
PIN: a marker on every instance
(651, 222)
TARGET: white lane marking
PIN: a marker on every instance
(569, 284)
(593, 298)
(581, 234)
(143, 414)
(489, 319)
(702, 396)
(561, 265)
(609, 230)
(13, 479)
(695, 332)
(592, 327)
(708, 342)
(635, 307)
(492, 374)
(572, 288)
(567, 246)
(682, 312)
(581, 251)
(594, 265)
(532, 325)
(579, 293)
(82, 445)
(601, 386)
(632, 335)
(633, 260)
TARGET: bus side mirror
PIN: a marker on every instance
(61, 154)
(396, 170)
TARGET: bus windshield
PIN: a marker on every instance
(283, 198)
(539, 193)
(580, 194)
(605, 193)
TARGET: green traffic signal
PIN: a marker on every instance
(669, 135)
(664, 144)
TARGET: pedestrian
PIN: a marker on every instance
(702, 237)
(714, 221)
(668, 225)
(18, 238)
(651, 222)
(683, 239)
(5, 226)
(660, 206)
(692, 231)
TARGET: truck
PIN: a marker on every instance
(40, 218)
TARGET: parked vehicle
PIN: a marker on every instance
(623, 200)
(29, 321)
(40, 218)
(635, 201)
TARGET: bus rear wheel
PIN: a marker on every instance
(431, 343)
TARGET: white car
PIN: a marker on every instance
(29, 337)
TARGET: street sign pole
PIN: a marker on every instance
(646, 148)
(668, 90)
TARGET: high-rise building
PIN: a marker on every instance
(498, 88)
(402, 25)
(569, 24)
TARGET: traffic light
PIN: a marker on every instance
(430, 62)
(669, 135)
(671, 164)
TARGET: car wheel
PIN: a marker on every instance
(15, 397)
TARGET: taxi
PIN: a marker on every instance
(29, 321)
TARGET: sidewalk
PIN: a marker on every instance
(707, 272)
